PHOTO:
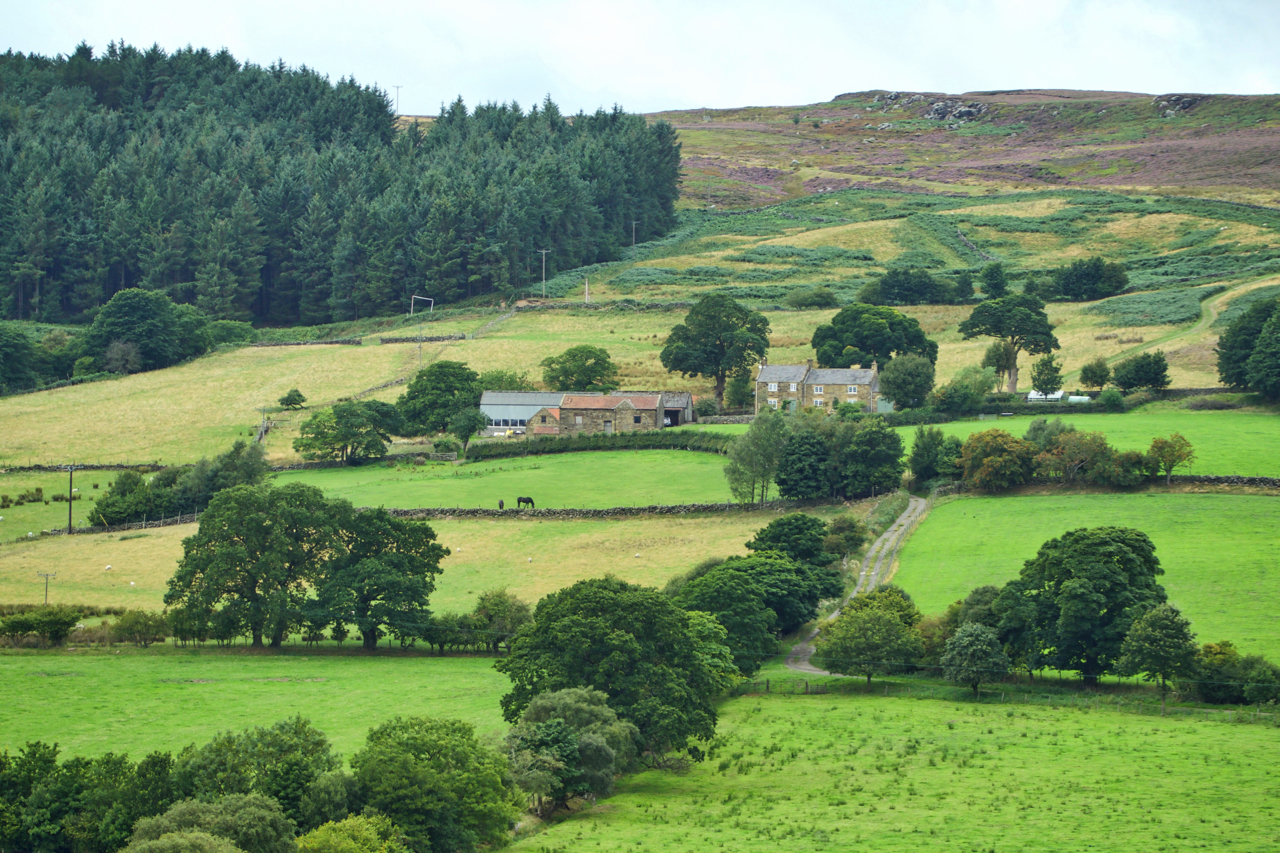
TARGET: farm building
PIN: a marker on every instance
(515, 408)
(800, 386)
(588, 413)
(545, 421)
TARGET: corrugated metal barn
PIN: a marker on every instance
(515, 408)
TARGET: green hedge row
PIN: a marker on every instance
(657, 440)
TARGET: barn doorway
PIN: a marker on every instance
(608, 427)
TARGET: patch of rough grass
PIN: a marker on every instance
(854, 772)
(1218, 552)
(487, 554)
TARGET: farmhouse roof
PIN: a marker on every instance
(521, 398)
(782, 373)
(636, 401)
(839, 376)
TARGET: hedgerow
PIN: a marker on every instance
(707, 442)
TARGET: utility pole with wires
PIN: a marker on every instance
(543, 252)
(71, 494)
(46, 576)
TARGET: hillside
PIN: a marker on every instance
(1213, 146)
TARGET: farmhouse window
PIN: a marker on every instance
(817, 404)
(544, 419)
(773, 403)
(577, 419)
(635, 419)
(773, 386)
(853, 389)
(793, 386)
(817, 389)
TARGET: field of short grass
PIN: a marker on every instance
(857, 772)
(136, 701)
(1226, 442)
(531, 557)
(583, 480)
(1220, 553)
(197, 409)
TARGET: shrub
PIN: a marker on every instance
(994, 460)
(1147, 370)
(814, 297)
(1210, 404)
(706, 408)
(1111, 400)
(1138, 398)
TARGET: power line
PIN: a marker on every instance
(46, 576)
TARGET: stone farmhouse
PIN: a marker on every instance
(560, 413)
(799, 386)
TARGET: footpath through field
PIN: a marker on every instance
(878, 562)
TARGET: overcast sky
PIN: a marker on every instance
(650, 56)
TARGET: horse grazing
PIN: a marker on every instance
(501, 505)
(520, 502)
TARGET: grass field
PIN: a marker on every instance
(91, 702)
(32, 517)
(1220, 553)
(1226, 442)
(487, 554)
(583, 480)
(856, 772)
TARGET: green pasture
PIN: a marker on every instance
(32, 517)
(589, 480)
(91, 702)
(857, 772)
(1226, 442)
(1220, 553)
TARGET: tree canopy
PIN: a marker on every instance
(1236, 343)
(718, 338)
(580, 368)
(1084, 590)
(633, 644)
(274, 194)
(437, 393)
(864, 334)
(1019, 319)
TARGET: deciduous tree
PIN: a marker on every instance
(994, 460)
(1171, 453)
(436, 394)
(719, 338)
(1086, 587)
(974, 657)
(1018, 319)
(580, 368)
(907, 381)
(1147, 370)
(1095, 374)
(866, 642)
(1160, 647)
(863, 334)
(633, 644)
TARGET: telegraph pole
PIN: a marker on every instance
(633, 238)
(543, 252)
(397, 88)
(71, 481)
(46, 576)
